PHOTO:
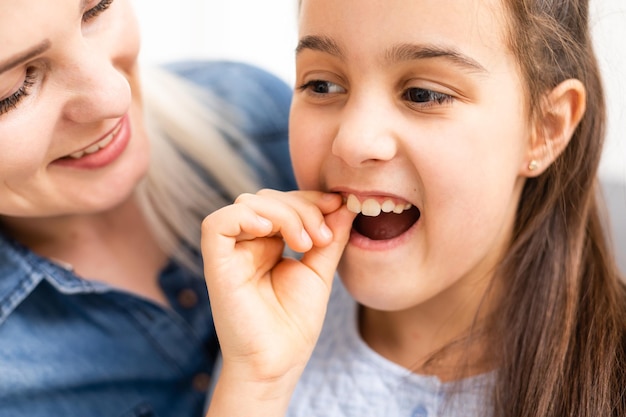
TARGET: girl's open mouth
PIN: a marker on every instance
(382, 220)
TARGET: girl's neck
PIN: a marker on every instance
(440, 337)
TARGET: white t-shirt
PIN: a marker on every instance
(346, 378)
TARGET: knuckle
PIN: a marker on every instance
(266, 192)
(242, 198)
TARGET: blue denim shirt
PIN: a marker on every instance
(73, 347)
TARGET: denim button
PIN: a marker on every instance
(420, 411)
(201, 382)
(187, 298)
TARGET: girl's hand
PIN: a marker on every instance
(269, 310)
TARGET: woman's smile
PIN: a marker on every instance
(103, 152)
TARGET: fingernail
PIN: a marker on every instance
(305, 237)
(264, 221)
(326, 232)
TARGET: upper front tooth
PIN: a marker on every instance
(370, 207)
(353, 204)
(104, 142)
(92, 149)
(387, 206)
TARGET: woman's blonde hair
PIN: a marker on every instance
(193, 138)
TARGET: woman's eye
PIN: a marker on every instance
(322, 87)
(11, 102)
(96, 10)
(425, 96)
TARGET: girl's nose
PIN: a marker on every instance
(95, 88)
(365, 133)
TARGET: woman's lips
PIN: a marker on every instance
(103, 152)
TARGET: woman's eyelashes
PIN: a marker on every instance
(13, 100)
(96, 10)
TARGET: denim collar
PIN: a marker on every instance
(21, 270)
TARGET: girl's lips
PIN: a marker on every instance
(103, 152)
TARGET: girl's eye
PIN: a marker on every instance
(425, 96)
(13, 100)
(96, 10)
(322, 87)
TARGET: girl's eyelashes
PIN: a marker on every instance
(321, 87)
(418, 97)
(96, 10)
(14, 99)
(425, 97)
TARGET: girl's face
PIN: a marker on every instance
(71, 135)
(415, 107)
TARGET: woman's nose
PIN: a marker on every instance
(95, 88)
(366, 132)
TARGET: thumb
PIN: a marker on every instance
(324, 260)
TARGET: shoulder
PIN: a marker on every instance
(224, 76)
(250, 88)
(257, 100)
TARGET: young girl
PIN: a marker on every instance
(464, 138)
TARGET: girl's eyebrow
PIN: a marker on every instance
(25, 56)
(321, 44)
(397, 53)
(409, 52)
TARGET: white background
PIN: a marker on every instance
(264, 33)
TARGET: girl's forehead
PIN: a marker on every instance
(464, 23)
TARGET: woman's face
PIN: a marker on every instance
(414, 104)
(71, 134)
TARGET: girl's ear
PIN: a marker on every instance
(562, 109)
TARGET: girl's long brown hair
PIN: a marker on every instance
(559, 333)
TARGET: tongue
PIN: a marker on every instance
(386, 225)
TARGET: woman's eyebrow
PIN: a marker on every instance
(24, 56)
(409, 52)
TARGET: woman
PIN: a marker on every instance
(102, 307)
